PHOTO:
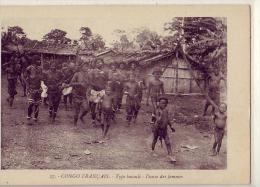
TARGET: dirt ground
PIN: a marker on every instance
(61, 145)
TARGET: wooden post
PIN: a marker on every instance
(190, 85)
(177, 77)
(41, 60)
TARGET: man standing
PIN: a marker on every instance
(53, 80)
(80, 85)
(12, 74)
(132, 91)
(122, 79)
(33, 78)
(67, 92)
(99, 79)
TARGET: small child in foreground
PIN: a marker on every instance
(107, 110)
(219, 120)
(161, 122)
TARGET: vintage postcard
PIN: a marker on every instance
(125, 94)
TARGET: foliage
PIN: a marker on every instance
(56, 36)
(13, 35)
(147, 39)
(204, 39)
(90, 41)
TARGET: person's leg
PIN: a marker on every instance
(220, 141)
(65, 98)
(70, 99)
(56, 104)
(128, 110)
(168, 144)
(21, 79)
(45, 101)
(207, 104)
(107, 124)
(85, 110)
(93, 110)
(50, 111)
(98, 111)
(11, 100)
(154, 104)
(136, 110)
(120, 99)
(30, 111)
(82, 115)
(77, 111)
(155, 138)
(36, 112)
(214, 146)
(215, 143)
(11, 91)
(169, 148)
(51, 107)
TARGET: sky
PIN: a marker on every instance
(103, 24)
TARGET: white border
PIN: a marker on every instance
(255, 65)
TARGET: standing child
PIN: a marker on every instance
(107, 110)
(213, 89)
(162, 121)
(219, 120)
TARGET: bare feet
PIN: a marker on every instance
(172, 158)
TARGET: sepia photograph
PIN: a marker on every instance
(82, 101)
(119, 89)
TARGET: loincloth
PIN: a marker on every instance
(34, 96)
(67, 91)
(96, 96)
(132, 103)
(44, 90)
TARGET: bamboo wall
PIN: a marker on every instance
(176, 77)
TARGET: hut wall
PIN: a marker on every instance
(176, 76)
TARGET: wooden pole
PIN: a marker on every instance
(190, 85)
(177, 77)
(41, 60)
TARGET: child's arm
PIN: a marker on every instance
(162, 89)
(170, 123)
(113, 104)
(171, 126)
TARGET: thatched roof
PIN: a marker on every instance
(143, 58)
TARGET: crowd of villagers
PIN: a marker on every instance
(91, 88)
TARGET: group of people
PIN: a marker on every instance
(92, 89)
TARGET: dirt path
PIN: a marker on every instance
(62, 145)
